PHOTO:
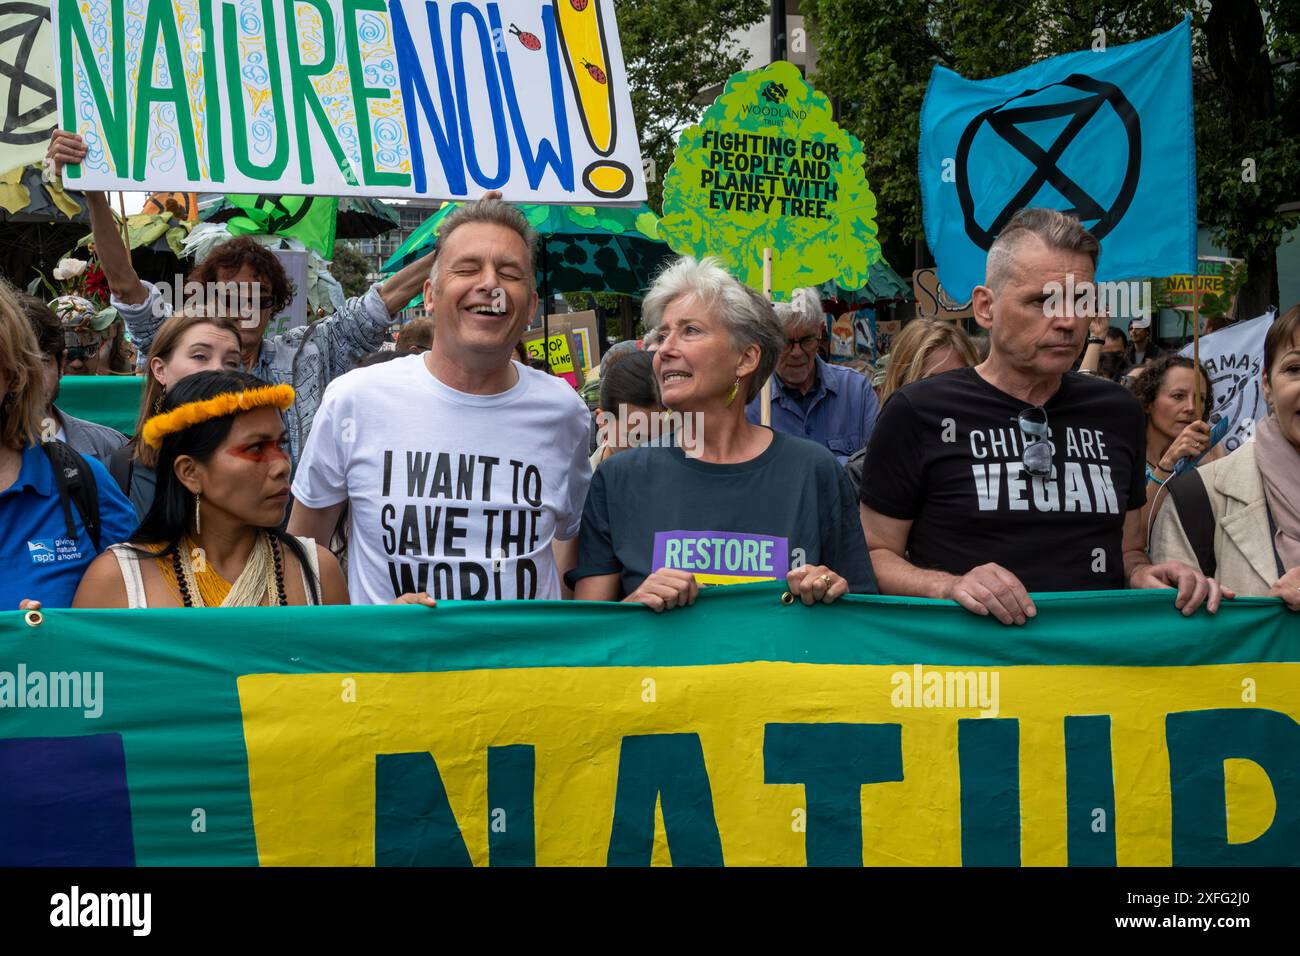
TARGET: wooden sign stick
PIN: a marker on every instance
(765, 401)
(1198, 392)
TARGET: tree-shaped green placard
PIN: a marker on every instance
(768, 167)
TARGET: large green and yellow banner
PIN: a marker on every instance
(1110, 730)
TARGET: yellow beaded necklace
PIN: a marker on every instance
(213, 588)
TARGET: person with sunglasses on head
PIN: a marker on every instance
(84, 437)
(811, 398)
(1018, 475)
(94, 339)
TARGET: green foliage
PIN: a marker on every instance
(809, 251)
(875, 57)
(675, 49)
(351, 268)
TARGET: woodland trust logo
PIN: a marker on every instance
(773, 93)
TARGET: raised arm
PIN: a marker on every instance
(123, 282)
(402, 286)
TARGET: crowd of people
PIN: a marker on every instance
(978, 472)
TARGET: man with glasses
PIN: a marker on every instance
(811, 398)
(1017, 475)
(242, 278)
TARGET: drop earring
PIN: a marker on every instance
(157, 402)
(731, 396)
(198, 520)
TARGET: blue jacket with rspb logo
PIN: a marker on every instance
(37, 558)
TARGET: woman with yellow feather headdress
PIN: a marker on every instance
(212, 536)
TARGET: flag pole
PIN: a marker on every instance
(1198, 396)
(765, 400)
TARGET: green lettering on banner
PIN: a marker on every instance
(304, 96)
(1089, 787)
(1199, 742)
(362, 94)
(212, 96)
(414, 824)
(235, 90)
(833, 762)
(512, 834)
(669, 767)
(159, 22)
(673, 553)
(112, 115)
(988, 753)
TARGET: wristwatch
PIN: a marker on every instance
(1094, 340)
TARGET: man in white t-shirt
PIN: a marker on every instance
(466, 471)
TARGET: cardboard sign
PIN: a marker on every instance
(350, 97)
(735, 732)
(768, 167)
(1211, 273)
(295, 313)
(932, 302)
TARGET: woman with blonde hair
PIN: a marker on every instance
(924, 348)
(58, 509)
(189, 342)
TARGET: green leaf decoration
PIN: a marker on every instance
(796, 186)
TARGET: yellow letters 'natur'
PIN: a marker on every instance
(311, 754)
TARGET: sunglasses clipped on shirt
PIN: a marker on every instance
(1036, 450)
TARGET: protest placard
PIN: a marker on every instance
(1211, 277)
(932, 302)
(738, 731)
(769, 168)
(350, 97)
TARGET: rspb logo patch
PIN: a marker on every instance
(53, 550)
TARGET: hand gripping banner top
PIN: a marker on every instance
(350, 97)
(1105, 135)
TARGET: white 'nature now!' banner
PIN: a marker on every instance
(350, 97)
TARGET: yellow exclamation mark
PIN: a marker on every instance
(582, 34)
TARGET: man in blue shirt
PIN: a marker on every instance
(813, 399)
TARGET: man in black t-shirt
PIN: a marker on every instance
(1018, 475)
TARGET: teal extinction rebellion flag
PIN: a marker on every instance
(1106, 135)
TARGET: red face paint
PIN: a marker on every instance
(262, 451)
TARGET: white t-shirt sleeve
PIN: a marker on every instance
(578, 480)
(322, 479)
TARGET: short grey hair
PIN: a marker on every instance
(1055, 229)
(803, 309)
(749, 318)
(494, 211)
